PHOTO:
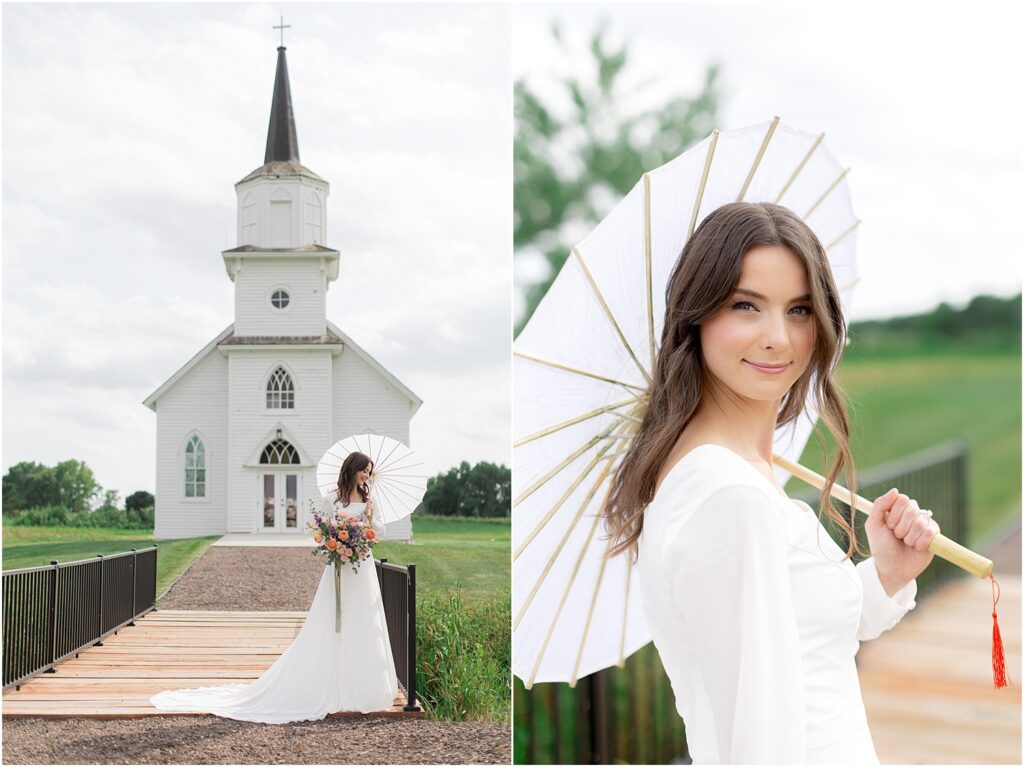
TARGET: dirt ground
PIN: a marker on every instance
(211, 740)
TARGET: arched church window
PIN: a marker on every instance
(195, 468)
(279, 299)
(280, 390)
(279, 451)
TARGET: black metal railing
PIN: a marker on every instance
(398, 592)
(54, 611)
(627, 715)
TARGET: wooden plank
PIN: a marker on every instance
(165, 650)
(927, 683)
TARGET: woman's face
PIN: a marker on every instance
(363, 475)
(768, 321)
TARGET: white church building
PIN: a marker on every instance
(241, 426)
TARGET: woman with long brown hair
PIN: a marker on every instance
(756, 612)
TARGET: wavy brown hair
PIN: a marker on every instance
(352, 465)
(702, 281)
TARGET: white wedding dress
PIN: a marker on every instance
(757, 617)
(321, 672)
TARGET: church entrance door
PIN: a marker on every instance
(280, 512)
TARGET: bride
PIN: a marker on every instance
(322, 671)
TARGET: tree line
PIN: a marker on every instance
(482, 490)
(986, 323)
(68, 494)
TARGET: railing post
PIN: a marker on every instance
(53, 619)
(962, 516)
(135, 581)
(156, 562)
(99, 616)
(410, 703)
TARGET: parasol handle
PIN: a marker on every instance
(941, 546)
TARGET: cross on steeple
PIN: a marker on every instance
(282, 26)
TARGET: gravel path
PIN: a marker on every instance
(225, 578)
(252, 579)
(211, 740)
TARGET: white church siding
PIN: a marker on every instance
(307, 426)
(306, 284)
(198, 403)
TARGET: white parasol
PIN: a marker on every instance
(396, 483)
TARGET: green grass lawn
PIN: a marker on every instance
(473, 553)
(901, 405)
(32, 546)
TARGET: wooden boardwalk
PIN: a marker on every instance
(165, 650)
(927, 683)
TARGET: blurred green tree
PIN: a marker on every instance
(570, 172)
(481, 490)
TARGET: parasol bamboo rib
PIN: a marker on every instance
(941, 546)
(564, 497)
(625, 609)
(420, 486)
(561, 603)
(757, 160)
(608, 313)
(393, 449)
(572, 422)
(590, 613)
(647, 265)
(558, 550)
(395, 489)
(839, 239)
(566, 461)
(402, 468)
(703, 184)
(825, 194)
(800, 167)
(578, 371)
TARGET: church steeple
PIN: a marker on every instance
(282, 139)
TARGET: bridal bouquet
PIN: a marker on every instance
(344, 539)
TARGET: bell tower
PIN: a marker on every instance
(281, 267)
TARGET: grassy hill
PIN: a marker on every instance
(902, 404)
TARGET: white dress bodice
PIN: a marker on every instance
(757, 617)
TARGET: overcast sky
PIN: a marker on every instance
(125, 128)
(921, 100)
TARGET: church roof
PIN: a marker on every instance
(279, 168)
(334, 336)
(327, 340)
(314, 248)
(282, 139)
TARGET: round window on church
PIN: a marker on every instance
(280, 298)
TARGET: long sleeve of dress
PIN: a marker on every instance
(376, 522)
(732, 586)
(881, 612)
